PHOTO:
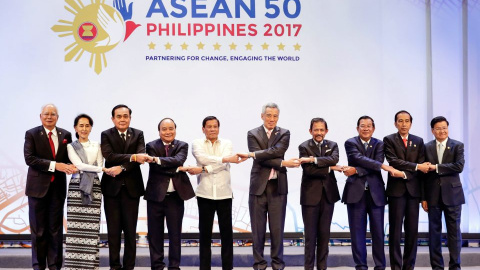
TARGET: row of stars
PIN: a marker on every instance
(233, 46)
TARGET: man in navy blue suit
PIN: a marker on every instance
(364, 193)
(443, 193)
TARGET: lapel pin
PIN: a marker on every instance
(410, 143)
(414, 145)
(41, 132)
(128, 135)
(60, 132)
(448, 147)
(370, 146)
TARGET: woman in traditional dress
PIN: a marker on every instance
(84, 199)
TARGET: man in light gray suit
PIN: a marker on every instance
(267, 145)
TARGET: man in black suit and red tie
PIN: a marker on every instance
(45, 152)
(168, 187)
(443, 192)
(364, 193)
(318, 192)
(406, 153)
(268, 185)
(123, 148)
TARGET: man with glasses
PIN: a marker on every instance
(364, 193)
(45, 152)
(443, 193)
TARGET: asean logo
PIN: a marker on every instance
(96, 28)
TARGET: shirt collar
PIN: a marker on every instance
(266, 129)
(54, 131)
(218, 140)
(164, 143)
(363, 142)
(406, 137)
(120, 133)
(444, 142)
(317, 143)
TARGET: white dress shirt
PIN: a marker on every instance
(215, 183)
(93, 152)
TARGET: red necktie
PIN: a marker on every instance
(405, 142)
(52, 147)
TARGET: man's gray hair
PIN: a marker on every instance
(270, 105)
(49, 104)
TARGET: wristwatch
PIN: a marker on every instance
(123, 168)
(203, 169)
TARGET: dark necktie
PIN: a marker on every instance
(52, 147)
(366, 145)
(123, 136)
(166, 149)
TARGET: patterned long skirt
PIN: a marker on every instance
(83, 228)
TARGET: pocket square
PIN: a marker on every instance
(328, 150)
(65, 141)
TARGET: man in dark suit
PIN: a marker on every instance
(318, 192)
(45, 152)
(123, 148)
(364, 193)
(268, 185)
(404, 152)
(168, 187)
(443, 193)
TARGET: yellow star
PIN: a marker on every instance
(151, 46)
(297, 47)
(184, 46)
(265, 46)
(168, 46)
(249, 46)
(281, 47)
(216, 47)
(200, 45)
(233, 46)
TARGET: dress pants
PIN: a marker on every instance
(454, 235)
(46, 220)
(170, 209)
(317, 220)
(357, 220)
(273, 205)
(121, 212)
(403, 210)
(206, 212)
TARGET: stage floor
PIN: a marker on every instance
(340, 256)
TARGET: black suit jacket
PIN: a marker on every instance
(446, 183)
(316, 177)
(368, 164)
(117, 153)
(38, 155)
(268, 154)
(404, 159)
(159, 175)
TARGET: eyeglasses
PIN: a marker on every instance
(441, 129)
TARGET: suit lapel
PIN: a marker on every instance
(45, 142)
(61, 145)
(432, 148)
(128, 139)
(447, 150)
(263, 135)
(314, 148)
(273, 137)
(399, 142)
